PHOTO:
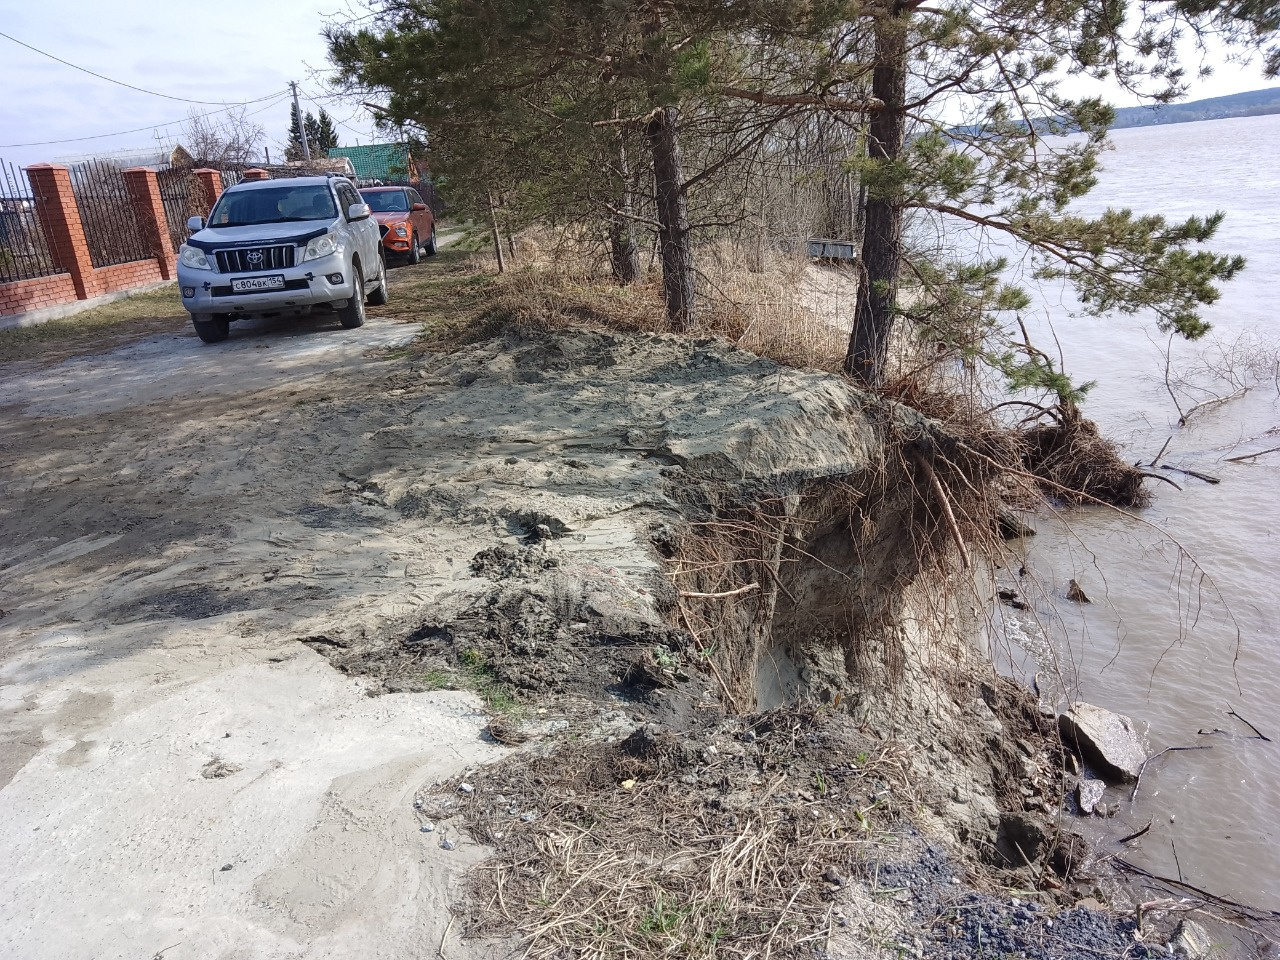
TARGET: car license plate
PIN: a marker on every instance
(273, 282)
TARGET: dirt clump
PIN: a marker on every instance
(544, 628)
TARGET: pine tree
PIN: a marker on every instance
(293, 149)
(553, 95)
(959, 107)
(1000, 176)
(326, 132)
(322, 136)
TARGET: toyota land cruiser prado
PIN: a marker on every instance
(282, 246)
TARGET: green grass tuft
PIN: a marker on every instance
(474, 673)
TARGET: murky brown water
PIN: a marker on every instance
(1163, 643)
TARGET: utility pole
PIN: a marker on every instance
(302, 127)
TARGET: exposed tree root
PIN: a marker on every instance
(1080, 465)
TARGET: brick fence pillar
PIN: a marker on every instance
(256, 173)
(144, 191)
(211, 181)
(63, 228)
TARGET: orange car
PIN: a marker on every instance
(407, 225)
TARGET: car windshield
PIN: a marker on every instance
(283, 204)
(386, 201)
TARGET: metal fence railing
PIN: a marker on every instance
(24, 251)
(183, 196)
(110, 223)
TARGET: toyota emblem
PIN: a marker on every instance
(254, 257)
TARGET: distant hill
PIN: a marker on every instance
(1252, 104)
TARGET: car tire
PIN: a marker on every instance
(415, 252)
(352, 315)
(211, 327)
(378, 298)
(431, 244)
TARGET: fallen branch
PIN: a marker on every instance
(1243, 909)
(1162, 450)
(1212, 402)
(1041, 411)
(693, 594)
(1141, 770)
(1192, 473)
(1250, 456)
(1218, 731)
(1157, 476)
(1137, 833)
(1168, 364)
(1258, 733)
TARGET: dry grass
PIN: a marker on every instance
(96, 329)
(782, 308)
(444, 293)
(663, 847)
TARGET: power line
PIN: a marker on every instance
(279, 98)
(121, 83)
(273, 104)
(341, 123)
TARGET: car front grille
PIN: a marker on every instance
(383, 230)
(250, 259)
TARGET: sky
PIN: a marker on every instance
(228, 52)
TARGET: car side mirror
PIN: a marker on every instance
(195, 224)
(358, 211)
(418, 207)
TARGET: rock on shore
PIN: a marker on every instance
(1105, 740)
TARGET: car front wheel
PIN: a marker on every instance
(431, 244)
(415, 252)
(352, 315)
(211, 327)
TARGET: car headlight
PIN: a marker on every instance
(321, 246)
(194, 257)
(401, 231)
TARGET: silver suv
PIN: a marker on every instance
(281, 246)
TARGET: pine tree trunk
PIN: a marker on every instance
(882, 226)
(624, 255)
(673, 220)
(497, 235)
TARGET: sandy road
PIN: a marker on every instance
(177, 772)
(178, 775)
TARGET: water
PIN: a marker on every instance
(1176, 639)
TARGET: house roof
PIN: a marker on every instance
(379, 161)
